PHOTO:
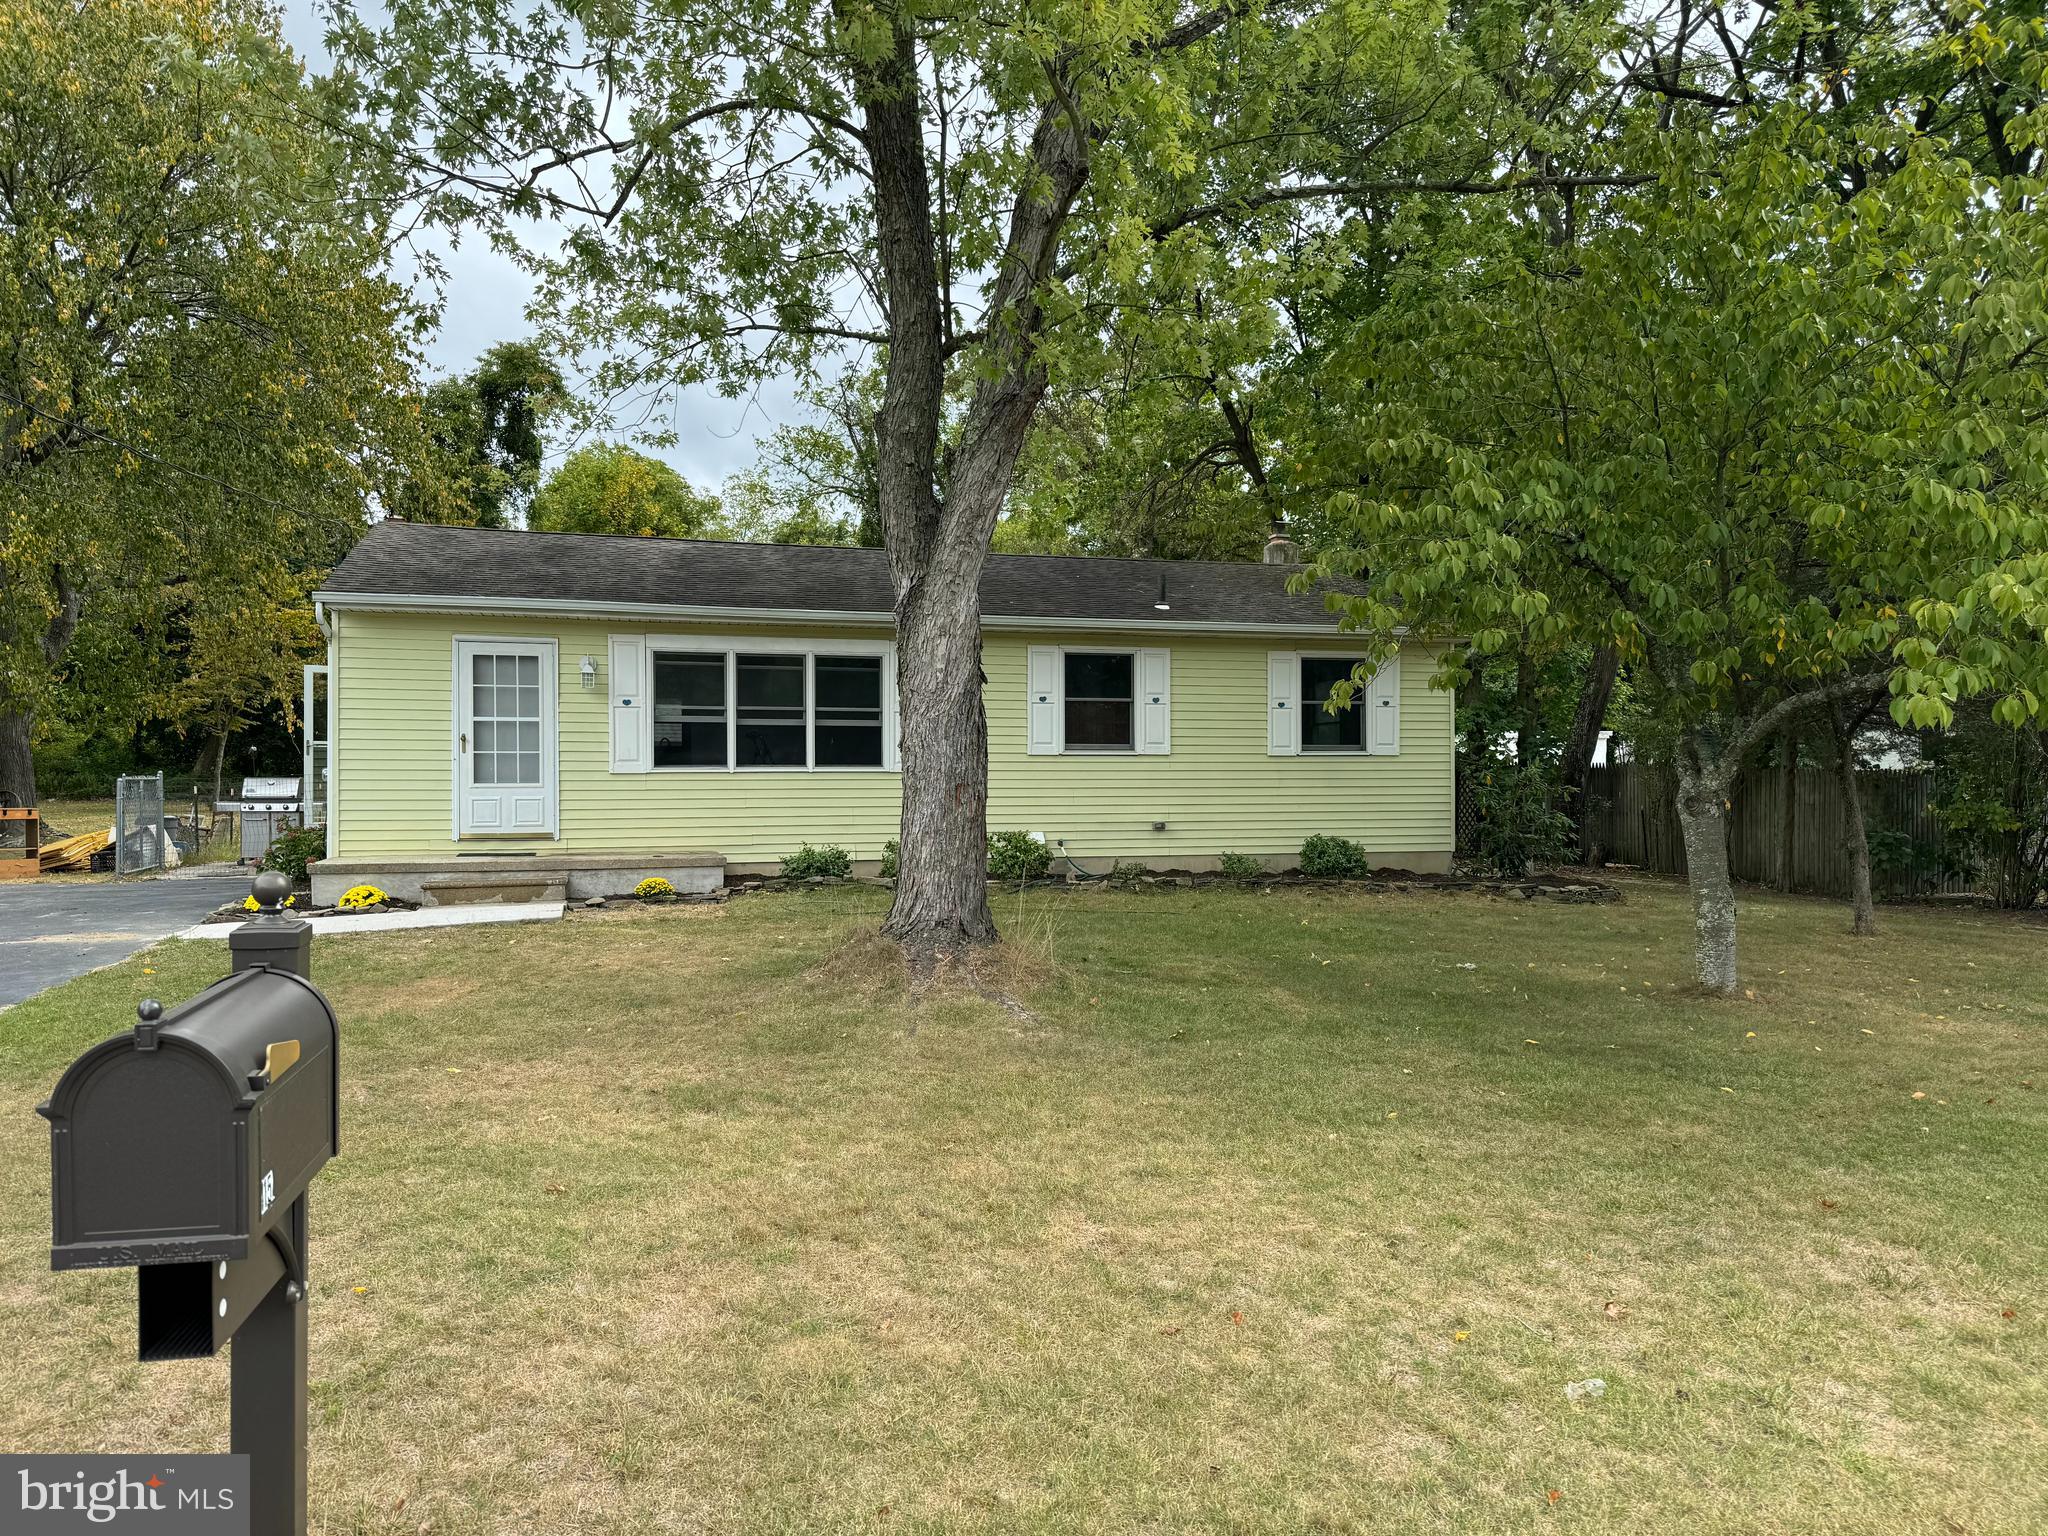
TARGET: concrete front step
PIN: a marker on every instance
(517, 877)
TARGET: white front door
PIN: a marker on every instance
(504, 738)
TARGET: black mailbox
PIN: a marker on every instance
(185, 1148)
(189, 1138)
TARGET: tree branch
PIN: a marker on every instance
(1786, 709)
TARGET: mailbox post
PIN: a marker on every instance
(185, 1148)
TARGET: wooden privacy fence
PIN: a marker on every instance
(1630, 820)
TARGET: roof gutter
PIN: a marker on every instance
(678, 613)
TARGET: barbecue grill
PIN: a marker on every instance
(266, 808)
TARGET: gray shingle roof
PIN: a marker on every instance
(421, 562)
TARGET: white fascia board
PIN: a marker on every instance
(678, 613)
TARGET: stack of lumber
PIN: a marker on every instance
(71, 854)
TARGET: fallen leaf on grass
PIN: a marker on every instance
(1615, 1311)
(1461, 1335)
(1170, 1332)
(1917, 1094)
(1870, 1032)
(1554, 1495)
(2008, 1314)
(1827, 1205)
(555, 1189)
(362, 1290)
(1237, 1318)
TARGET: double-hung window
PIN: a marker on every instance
(848, 711)
(1322, 731)
(789, 707)
(689, 710)
(1086, 701)
(1100, 692)
(1299, 685)
(770, 715)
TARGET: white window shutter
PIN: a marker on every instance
(1046, 689)
(626, 677)
(1283, 704)
(1155, 701)
(1383, 700)
(892, 716)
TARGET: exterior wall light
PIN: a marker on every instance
(589, 670)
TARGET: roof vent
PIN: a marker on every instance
(1280, 549)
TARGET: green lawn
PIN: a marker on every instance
(1288, 1212)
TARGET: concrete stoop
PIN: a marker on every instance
(501, 879)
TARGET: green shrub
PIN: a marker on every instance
(1127, 874)
(290, 852)
(831, 861)
(888, 870)
(1519, 823)
(1240, 866)
(1017, 856)
(1332, 858)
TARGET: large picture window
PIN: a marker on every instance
(1099, 695)
(767, 709)
(1322, 731)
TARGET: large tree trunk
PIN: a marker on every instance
(17, 763)
(942, 857)
(1703, 818)
(938, 543)
(1854, 833)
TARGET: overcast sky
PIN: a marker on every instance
(486, 302)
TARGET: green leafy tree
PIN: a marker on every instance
(485, 432)
(203, 371)
(1991, 793)
(241, 659)
(760, 188)
(816, 481)
(1782, 450)
(610, 488)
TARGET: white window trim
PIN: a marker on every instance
(550, 736)
(658, 645)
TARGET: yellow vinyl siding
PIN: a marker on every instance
(1217, 790)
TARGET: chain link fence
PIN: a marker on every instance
(139, 833)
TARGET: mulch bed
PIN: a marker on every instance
(1571, 888)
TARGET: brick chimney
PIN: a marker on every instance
(1280, 549)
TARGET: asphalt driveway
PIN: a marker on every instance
(51, 933)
